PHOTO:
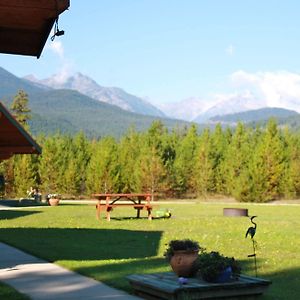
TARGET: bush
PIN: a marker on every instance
(209, 266)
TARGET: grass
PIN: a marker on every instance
(8, 293)
(70, 235)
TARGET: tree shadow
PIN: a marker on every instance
(115, 274)
(13, 214)
(21, 203)
(285, 283)
(55, 244)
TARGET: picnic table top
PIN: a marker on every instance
(126, 195)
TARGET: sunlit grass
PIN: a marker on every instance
(71, 236)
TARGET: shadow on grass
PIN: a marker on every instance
(115, 274)
(55, 244)
(13, 214)
(285, 284)
(21, 203)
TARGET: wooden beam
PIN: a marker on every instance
(26, 24)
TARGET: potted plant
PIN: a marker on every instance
(181, 255)
(188, 259)
(215, 267)
(53, 199)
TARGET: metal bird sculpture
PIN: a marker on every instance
(252, 229)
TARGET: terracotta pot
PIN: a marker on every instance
(182, 262)
(53, 201)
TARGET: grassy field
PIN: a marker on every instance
(8, 293)
(70, 235)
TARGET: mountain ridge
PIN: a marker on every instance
(69, 111)
(89, 87)
(256, 115)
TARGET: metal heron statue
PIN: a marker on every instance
(251, 232)
(252, 229)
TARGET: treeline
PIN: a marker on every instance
(255, 165)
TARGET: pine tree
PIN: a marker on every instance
(151, 162)
(185, 161)
(51, 165)
(103, 168)
(291, 181)
(170, 144)
(218, 149)
(23, 174)
(236, 161)
(80, 159)
(268, 164)
(203, 168)
(151, 170)
(20, 108)
(129, 156)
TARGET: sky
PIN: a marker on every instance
(170, 50)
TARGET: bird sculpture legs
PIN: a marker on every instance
(254, 244)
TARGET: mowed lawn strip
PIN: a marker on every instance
(70, 235)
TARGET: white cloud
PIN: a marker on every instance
(65, 67)
(64, 73)
(230, 50)
(57, 48)
(277, 89)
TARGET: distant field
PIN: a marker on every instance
(70, 235)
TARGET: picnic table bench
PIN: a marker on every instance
(106, 202)
(166, 286)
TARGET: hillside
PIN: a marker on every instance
(255, 116)
(69, 111)
(111, 95)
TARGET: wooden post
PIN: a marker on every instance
(98, 210)
(107, 208)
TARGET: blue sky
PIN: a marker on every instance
(170, 50)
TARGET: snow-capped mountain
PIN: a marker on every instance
(112, 95)
(200, 111)
(195, 109)
(230, 104)
(187, 109)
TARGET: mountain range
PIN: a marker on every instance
(87, 86)
(192, 109)
(255, 116)
(77, 102)
(69, 111)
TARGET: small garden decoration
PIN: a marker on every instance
(53, 199)
(251, 232)
(188, 259)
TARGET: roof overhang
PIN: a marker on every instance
(14, 139)
(26, 24)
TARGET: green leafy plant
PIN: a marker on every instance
(54, 196)
(210, 265)
(181, 245)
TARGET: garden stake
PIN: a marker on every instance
(251, 231)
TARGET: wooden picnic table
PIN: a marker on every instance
(109, 201)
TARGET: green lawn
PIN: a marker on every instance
(8, 293)
(70, 235)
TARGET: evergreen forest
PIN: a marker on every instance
(251, 165)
